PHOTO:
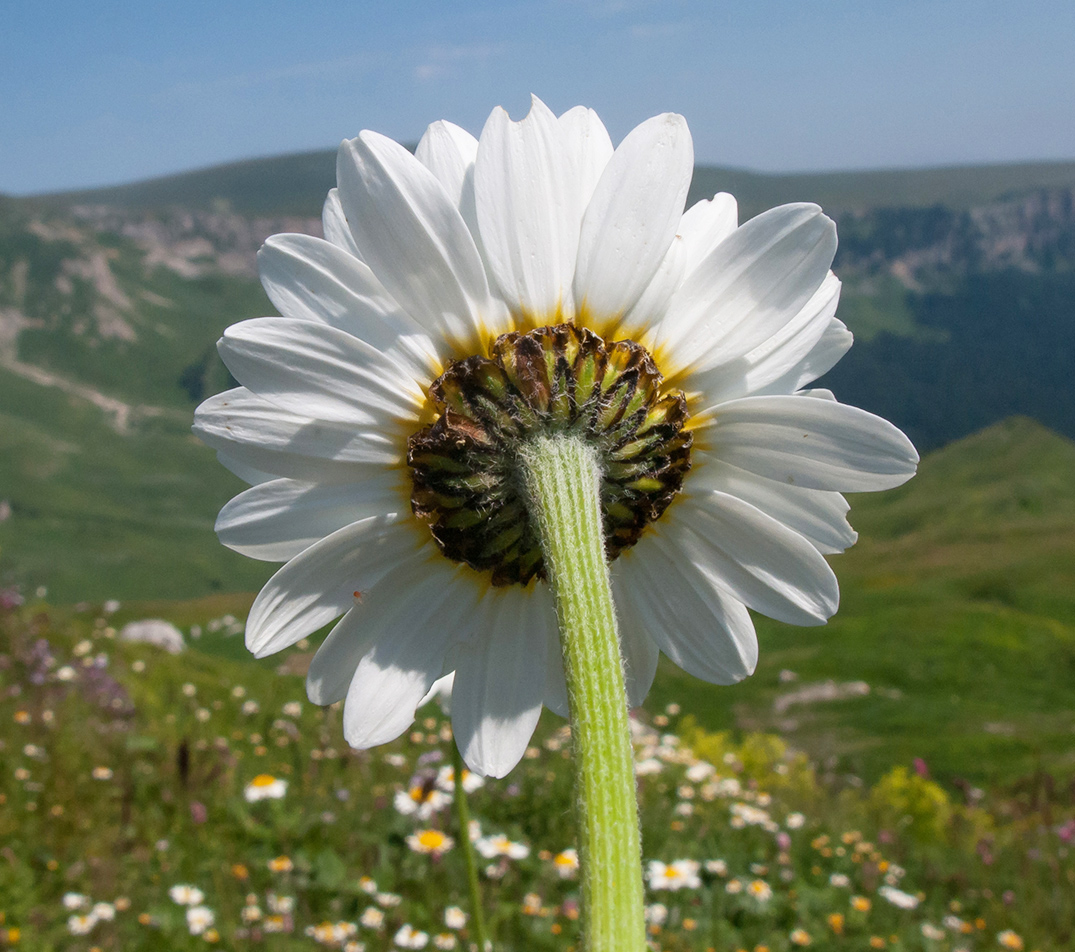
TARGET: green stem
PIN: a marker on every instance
(462, 812)
(563, 478)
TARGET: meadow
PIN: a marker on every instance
(151, 800)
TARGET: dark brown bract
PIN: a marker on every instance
(553, 380)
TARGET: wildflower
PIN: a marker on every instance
(454, 917)
(102, 773)
(81, 924)
(186, 895)
(800, 937)
(1010, 940)
(292, 709)
(410, 938)
(932, 932)
(368, 885)
(897, 897)
(445, 940)
(760, 890)
(265, 787)
(836, 922)
(795, 821)
(281, 864)
(430, 841)
(531, 904)
(372, 918)
(500, 845)
(656, 914)
(566, 863)
(251, 707)
(839, 880)
(199, 918)
(700, 771)
(446, 780)
(539, 231)
(733, 887)
(860, 904)
(388, 900)
(73, 900)
(421, 800)
(104, 911)
(281, 905)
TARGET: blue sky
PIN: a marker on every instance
(105, 92)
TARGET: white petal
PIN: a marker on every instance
(276, 520)
(528, 211)
(500, 681)
(819, 516)
(319, 371)
(334, 224)
(248, 474)
(260, 437)
(749, 287)
(589, 148)
(425, 611)
(698, 625)
(412, 236)
(312, 280)
(633, 216)
(777, 360)
(705, 225)
(448, 151)
(318, 585)
(637, 647)
(759, 561)
(816, 444)
(823, 356)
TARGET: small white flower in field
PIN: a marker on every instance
(679, 874)
(454, 277)
(410, 938)
(656, 914)
(566, 863)
(66, 673)
(421, 800)
(83, 648)
(760, 890)
(265, 787)
(353, 945)
(531, 904)
(800, 937)
(281, 905)
(648, 767)
(275, 923)
(189, 690)
(430, 841)
(446, 780)
(795, 821)
(250, 913)
(388, 900)
(716, 867)
(454, 917)
(281, 864)
(104, 911)
(368, 885)
(81, 924)
(445, 940)
(839, 880)
(932, 933)
(251, 707)
(700, 771)
(499, 845)
(1010, 940)
(199, 918)
(73, 900)
(102, 773)
(293, 709)
(898, 897)
(372, 918)
(186, 895)
(202, 714)
(743, 814)
(733, 886)
(684, 809)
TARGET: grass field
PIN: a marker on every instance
(130, 819)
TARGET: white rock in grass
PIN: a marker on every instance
(154, 631)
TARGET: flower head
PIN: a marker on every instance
(265, 787)
(481, 294)
(680, 874)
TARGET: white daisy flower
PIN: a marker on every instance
(680, 874)
(499, 845)
(409, 937)
(81, 924)
(186, 895)
(430, 841)
(379, 419)
(898, 897)
(199, 918)
(265, 787)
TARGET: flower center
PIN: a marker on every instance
(467, 485)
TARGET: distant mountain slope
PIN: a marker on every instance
(296, 185)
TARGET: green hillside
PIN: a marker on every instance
(296, 185)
